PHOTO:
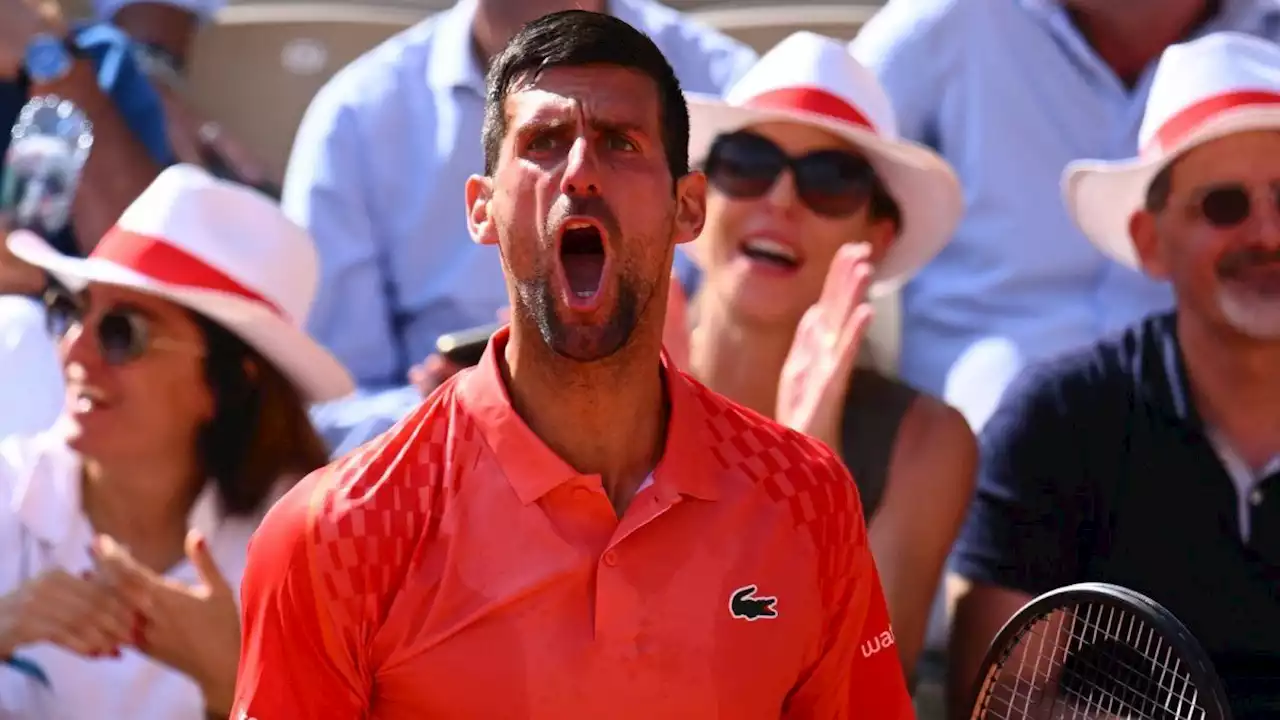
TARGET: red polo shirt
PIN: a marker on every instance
(457, 568)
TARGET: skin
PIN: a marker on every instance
(137, 440)
(1227, 285)
(588, 141)
(1130, 35)
(747, 329)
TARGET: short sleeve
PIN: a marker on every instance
(1030, 521)
(298, 657)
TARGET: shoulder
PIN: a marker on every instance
(1100, 377)
(25, 458)
(705, 59)
(365, 84)
(909, 25)
(936, 441)
(793, 470)
(354, 523)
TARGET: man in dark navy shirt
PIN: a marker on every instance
(1152, 460)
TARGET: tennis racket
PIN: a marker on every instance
(1097, 652)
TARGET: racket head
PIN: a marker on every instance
(1114, 653)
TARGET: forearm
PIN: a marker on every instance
(118, 169)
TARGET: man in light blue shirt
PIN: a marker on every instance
(380, 161)
(1009, 92)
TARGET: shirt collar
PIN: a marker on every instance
(686, 467)
(452, 61)
(47, 500)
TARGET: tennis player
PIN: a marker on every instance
(574, 528)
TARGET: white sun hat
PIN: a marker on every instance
(1217, 85)
(222, 250)
(812, 79)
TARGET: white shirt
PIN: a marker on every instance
(42, 526)
(31, 388)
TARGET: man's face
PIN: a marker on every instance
(584, 209)
(1218, 238)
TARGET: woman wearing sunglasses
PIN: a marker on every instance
(809, 187)
(123, 529)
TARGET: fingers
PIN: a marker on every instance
(198, 553)
(80, 614)
(119, 570)
(504, 314)
(836, 289)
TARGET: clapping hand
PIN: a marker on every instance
(78, 614)
(815, 376)
(194, 629)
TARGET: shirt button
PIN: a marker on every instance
(611, 558)
(1256, 497)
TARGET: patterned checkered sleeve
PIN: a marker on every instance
(858, 674)
(322, 570)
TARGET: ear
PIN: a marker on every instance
(1146, 242)
(880, 235)
(479, 192)
(691, 206)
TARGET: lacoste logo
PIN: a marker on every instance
(743, 605)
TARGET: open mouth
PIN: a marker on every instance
(772, 253)
(582, 256)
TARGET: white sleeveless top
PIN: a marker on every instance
(42, 526)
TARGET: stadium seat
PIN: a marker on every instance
(763, 26)
(257, 67)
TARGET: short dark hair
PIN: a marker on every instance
(574, 38)
(260, 433)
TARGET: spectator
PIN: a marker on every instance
(573, 529)
(381, 158)
(807, 180)
(1151, 459)
(187, 369)
(129, 149)
(1009, 92)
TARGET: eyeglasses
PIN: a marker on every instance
(832, 183)
(1227, 205)
(123, 333)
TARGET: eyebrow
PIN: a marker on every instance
(557, 123)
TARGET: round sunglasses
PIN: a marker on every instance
(1227, 205)
(832, 183)
(124, 334)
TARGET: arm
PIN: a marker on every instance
(1029, 524)
(300, 653)
(935, 456)
(170, 27)
(324, 191)
(856, 675)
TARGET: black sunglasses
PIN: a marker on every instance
(123, 333)
(832, 183)
(1227, 205)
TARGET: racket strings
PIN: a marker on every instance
(1092, 661)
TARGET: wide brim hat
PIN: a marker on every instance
(222, 250)
(1218, 85)
(811, 79)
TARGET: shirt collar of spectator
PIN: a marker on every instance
(533, 469)
(452, 62)
(47, 501)
(1240, 15)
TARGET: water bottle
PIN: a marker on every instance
(49, 145)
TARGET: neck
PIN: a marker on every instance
(1130, 36)
(741, 361)
(1235, 385)
(145, 507)
(605, 418)
(496, 21)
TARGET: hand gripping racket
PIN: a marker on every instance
(1097, 652)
